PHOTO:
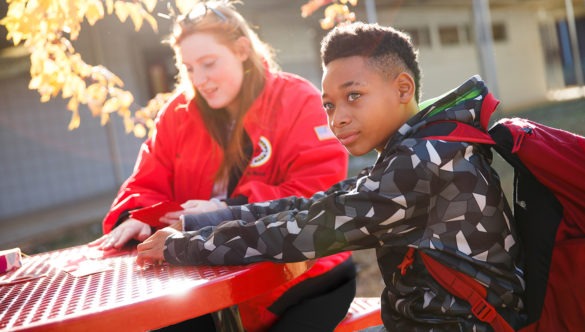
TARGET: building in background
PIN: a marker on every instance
(52, 178)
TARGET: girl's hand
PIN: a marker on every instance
(194, 206)
(119, 236)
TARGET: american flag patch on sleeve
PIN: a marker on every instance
(323, 132)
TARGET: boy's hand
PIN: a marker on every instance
(151, 251)
(119, 236)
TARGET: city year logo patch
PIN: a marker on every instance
(265, 152)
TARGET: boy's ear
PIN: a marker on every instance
(406, 87)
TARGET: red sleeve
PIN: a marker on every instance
(150, 181)
(309, 154)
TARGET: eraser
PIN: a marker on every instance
(10, 260)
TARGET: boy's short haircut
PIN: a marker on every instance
(386, 48)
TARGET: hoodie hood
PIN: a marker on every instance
(470, 104)
(463, 104)
(460, 104)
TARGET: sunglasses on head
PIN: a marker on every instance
(199, 12)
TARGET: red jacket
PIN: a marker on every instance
(294, 154)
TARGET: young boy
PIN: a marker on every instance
(439, 197)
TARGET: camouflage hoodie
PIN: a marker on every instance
(437, 196)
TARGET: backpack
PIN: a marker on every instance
(549, 211)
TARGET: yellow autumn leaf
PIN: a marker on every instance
(79, 88)
(111, 105)
(46, 28)
(332, 10)
(68, 26)
(150, 123)
(326, 23)
(139, 130)
(68, 91)
(124, 112)
(311, 6)
(110, 77)
(16, 37)
(97, 92)
(149, 5)
(109, 6)
(121, 11)
(60, 78)
(73, 105)
(152, 21)
(55, 87)
(34, 83)
(125, 97)
(65, 4)
(96, 95)
(95, 12)
(95, 108)
(136, 16)
(79, 66)
(97, 76)
(75, 121)
(128, 124)
(49, 67)
(45, 96)
(185, 6)
(105, 117)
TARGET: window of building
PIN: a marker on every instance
(449, 35)
(499, 32)
(161, 69)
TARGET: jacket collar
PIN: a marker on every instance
(462, 104)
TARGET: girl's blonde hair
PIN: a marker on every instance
(221, 19)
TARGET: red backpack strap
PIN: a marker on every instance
(451, 130)
(465, 287)
(454, 131)
(489, 105)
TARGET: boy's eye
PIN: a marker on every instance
(328, 107)
(353, 96)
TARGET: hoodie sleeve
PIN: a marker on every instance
(378, 211)
(260, 210)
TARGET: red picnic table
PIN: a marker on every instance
(81, 288)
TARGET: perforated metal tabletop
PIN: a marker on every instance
(125, 296)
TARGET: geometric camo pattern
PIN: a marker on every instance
(437, 196)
